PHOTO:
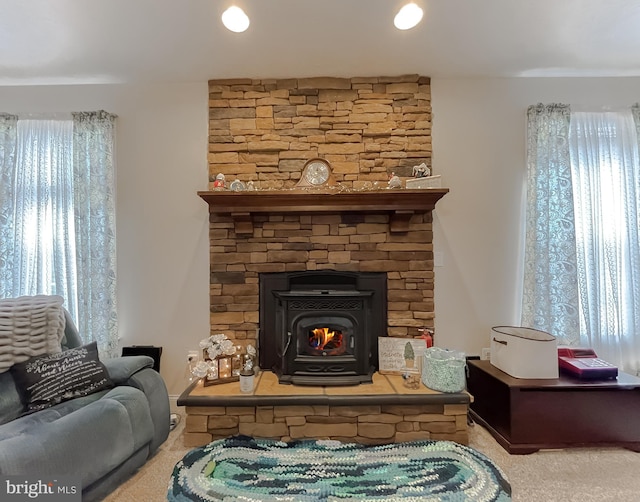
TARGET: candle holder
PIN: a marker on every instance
(222, 373)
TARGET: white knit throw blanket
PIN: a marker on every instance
(30, 326)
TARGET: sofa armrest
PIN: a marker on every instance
(138, 372)
(121, 369)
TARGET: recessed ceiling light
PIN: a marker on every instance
(407, 17)
(235, 19)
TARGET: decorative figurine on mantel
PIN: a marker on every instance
(421, 171)
(395, 181)
(422, 178)
(219, 183)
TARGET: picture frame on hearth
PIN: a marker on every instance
(398, 356)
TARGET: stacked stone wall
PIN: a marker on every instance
(367, 128)
(320, 242)
(265, 130)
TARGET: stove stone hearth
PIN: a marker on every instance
(384, 411)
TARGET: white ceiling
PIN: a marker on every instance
(119, 41)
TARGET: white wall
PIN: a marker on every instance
(163, 262)
(479, 148)
(162, 225)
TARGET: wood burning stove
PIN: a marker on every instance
(322, 328)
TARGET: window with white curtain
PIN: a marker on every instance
(57, 216)
(582, 259)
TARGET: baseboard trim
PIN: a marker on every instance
(173, 403)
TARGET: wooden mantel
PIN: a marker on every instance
(400, 204)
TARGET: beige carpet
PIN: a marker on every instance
(580, 475)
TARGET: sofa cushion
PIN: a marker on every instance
(47, 380)
(89, 441)
(31, 422)
(10, 402)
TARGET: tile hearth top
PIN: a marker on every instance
(385, 389)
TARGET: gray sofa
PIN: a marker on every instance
(101, 439)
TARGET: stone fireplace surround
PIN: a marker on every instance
(388, 232)
(264, 130)
(367, 128)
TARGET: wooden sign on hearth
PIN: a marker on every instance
(397, 356)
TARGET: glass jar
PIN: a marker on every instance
(224, 367)
(236, 362)
(212, 373)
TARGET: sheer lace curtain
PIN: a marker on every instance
(582, 250)
(550, 290)
(606, 180)
(8, 147)
(57, 216)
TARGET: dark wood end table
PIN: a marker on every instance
(526, 415)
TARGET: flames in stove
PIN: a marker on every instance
(326, 340)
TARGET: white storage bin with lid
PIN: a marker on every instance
(524, 352)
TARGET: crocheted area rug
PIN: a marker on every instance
(245, 469)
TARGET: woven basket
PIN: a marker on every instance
(444, 370)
